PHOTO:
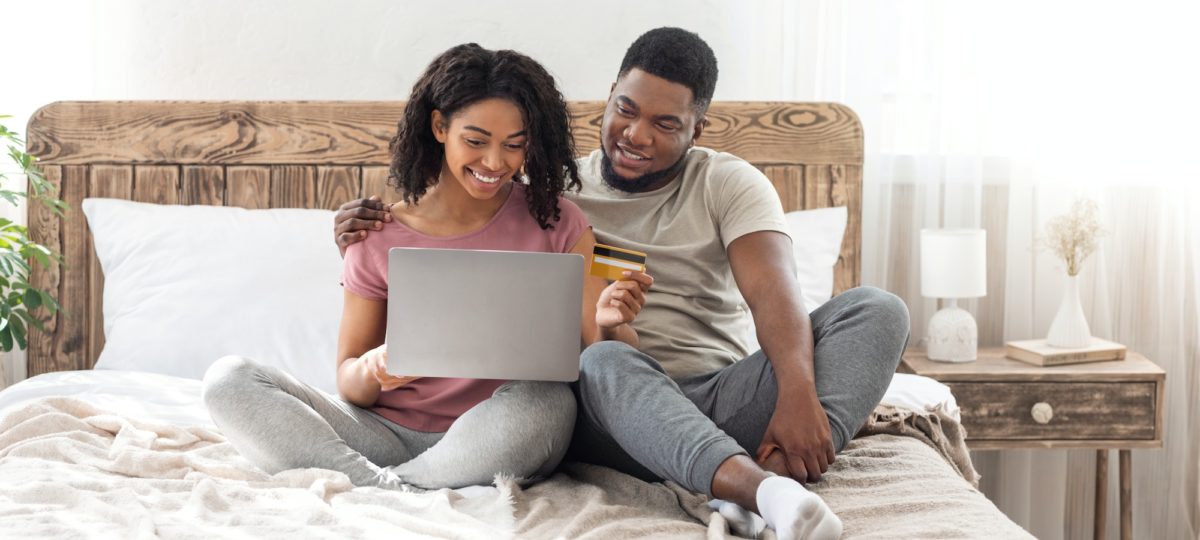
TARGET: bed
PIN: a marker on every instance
(108, 436)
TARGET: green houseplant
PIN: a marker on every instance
(21, 304)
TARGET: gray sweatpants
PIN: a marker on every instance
(279, 423)
(636, 419)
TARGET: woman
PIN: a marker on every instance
(476, 120)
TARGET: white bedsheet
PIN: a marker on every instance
(58, 442)
(176, 400)
(146, 396)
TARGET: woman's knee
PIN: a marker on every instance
(543, 431)
(225, 377)
(550, 404)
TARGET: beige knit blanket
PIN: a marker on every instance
(68, 469)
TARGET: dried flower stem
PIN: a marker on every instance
(1074, 235)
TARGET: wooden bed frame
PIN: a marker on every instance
(322, 154)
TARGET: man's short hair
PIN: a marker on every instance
(676, 55)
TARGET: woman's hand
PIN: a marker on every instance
(376, 362)
(621, 301)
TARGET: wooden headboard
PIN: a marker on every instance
(321, 154)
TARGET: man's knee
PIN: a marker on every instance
(608, 358)
(883, 311)
(881, 304)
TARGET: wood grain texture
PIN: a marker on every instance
(321, 154)
(69, 345)
(248, 187)
(331, 132)
(1126, 473)
(374, 182)
(1082, 410)
(1097, 405)
(293, 186)
(203, 184)
(1060, 444)
(112, 182)
(758, 132)
(846, 190)
(1101, 502)
(802, 187)
(336, 185)
(46, 228)
(991, 365)
(204, 133)
(158, 184)
(788, 181)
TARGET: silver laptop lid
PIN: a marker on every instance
(484, 314)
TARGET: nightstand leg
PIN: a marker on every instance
(1101, 495)
(1126, 496)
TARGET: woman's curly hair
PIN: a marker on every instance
(464, 75)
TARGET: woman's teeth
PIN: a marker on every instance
(485, 179)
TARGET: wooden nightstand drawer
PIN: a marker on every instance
(1098, 405)
(1065, 411)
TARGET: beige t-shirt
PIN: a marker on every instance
(694, 320)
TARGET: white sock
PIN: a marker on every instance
(794, 512)
(742, 522)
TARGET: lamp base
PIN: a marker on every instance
(953, 336)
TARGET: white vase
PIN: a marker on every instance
(1070, 328)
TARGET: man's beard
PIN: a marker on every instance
(639, 184)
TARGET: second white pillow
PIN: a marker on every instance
(186, 285)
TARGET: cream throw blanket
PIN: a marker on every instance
(68, 469)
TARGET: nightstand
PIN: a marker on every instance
(1103, 405)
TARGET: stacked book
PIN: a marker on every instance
(1038, 353)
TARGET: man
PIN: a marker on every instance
(689, 404)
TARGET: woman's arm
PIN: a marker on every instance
(609, 308)
(363, 328)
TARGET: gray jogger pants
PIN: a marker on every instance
(279, 423)
(636, 419)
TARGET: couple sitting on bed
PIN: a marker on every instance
(667, 389)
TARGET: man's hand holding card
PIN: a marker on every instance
(623, 299)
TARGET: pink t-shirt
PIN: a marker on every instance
(431, 404)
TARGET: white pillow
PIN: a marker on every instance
(816, 244)
(186, 285)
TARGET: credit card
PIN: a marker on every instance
(608, 262)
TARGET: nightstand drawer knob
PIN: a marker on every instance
(1042, 412)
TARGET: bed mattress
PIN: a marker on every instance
(130, 454)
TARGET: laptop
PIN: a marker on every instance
(510, 315)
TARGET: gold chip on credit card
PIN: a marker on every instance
(608, 262)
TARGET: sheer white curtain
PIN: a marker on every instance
(997, 115)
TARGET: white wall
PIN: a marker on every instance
(364, 49)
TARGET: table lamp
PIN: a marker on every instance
(953, 266)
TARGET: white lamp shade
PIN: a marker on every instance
(953, 263)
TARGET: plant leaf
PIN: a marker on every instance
(32, 299)
(31, 320)
(18, 332)
(49, 302)
(6, 340)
